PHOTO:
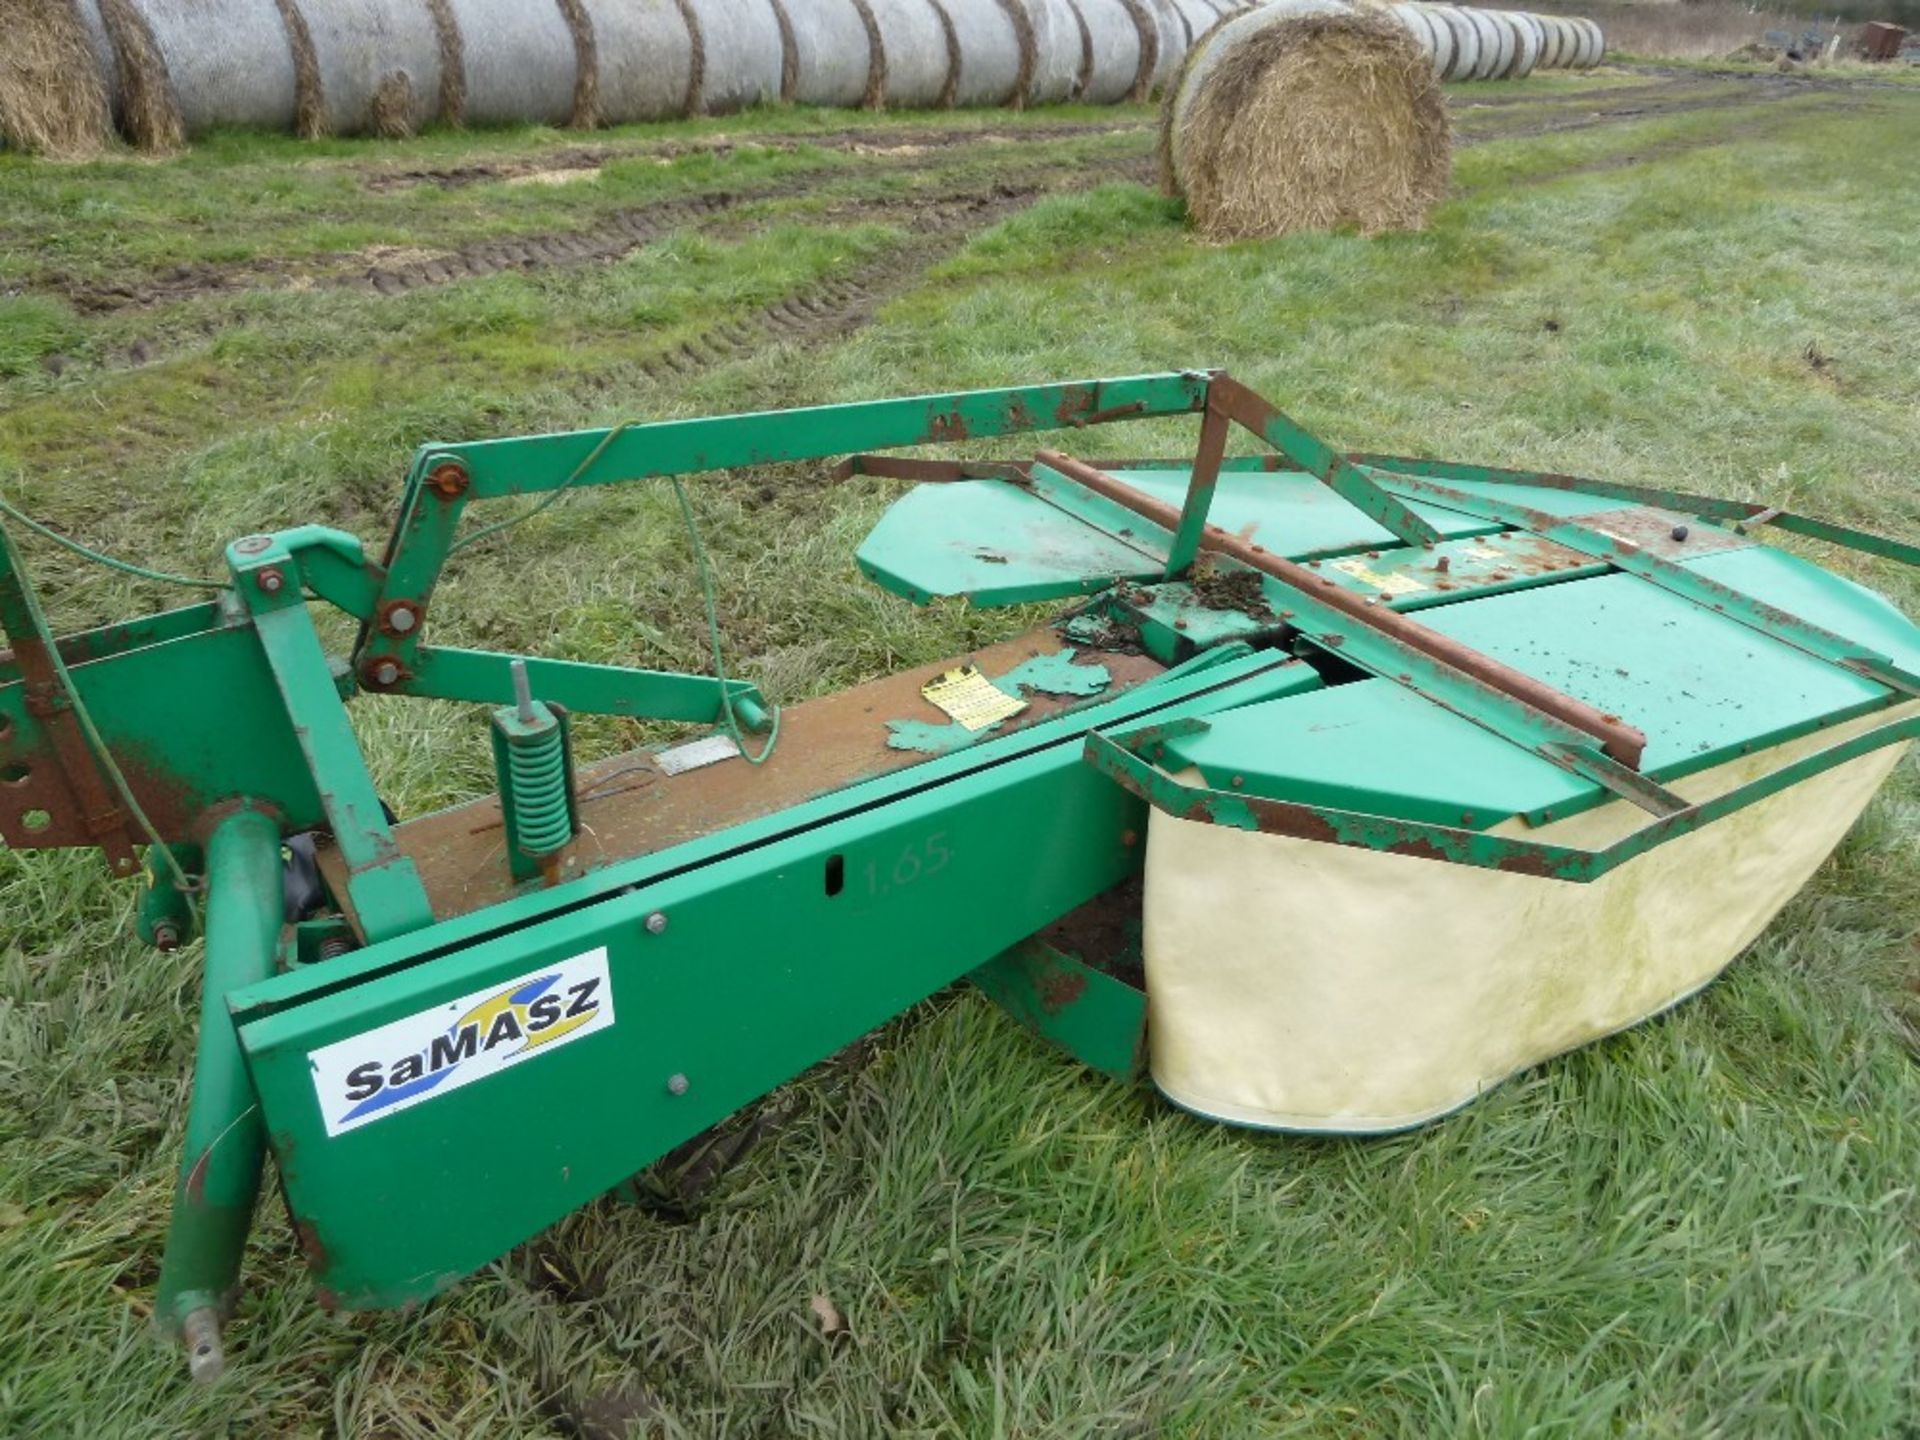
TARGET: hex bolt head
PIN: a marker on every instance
(385, 672)
(165, 937)
(657, 922)
(678, 1084)
(402, 618)
(1679, 532)
(270, 580)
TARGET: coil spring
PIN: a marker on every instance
(537, 778)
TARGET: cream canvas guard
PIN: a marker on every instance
(1296, 985)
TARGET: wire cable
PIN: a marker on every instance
(125, 567)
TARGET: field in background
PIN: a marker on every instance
(1703, 1227)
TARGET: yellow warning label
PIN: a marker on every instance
(1392, 583)
(972, 699)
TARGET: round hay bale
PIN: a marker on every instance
(1496, 43)
(1465, 54)
(922, 62)
(1560, 43)
(376, 67)
(833, 52)
(1297, 118)
(996, 51)
(1171, 43)
(1116, 31)
(743, 59)
(1058, 51)
(1526, 49)
(644, 51)
(53, 100)
(1595, 49)
(1428, 33)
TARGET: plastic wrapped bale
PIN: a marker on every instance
(1593, 46)
(834, 59)
(1306, 120)
(1561, 43)
(1170, 33)
(997, 51)
(1496, 44)
(181, 67)
(1465, 56)
(377, 67)
(519, 59)
(1059, 50)
(1118, 65)
(644, 51)
(740, 55)
(53, 97)
(1526, 43)
(1299, 985)
(920, 51)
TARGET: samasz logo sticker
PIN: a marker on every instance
(384, 1071)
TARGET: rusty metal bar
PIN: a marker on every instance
(1625, 743)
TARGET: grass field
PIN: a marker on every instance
(1706, 1226)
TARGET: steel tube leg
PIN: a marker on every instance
(226, 1142)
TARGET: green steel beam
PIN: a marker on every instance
(1097, 1019)
(1115, 754)
(226, 1135)
(383, 885)
(1306, 450)
(1202, 480)
(486, 677)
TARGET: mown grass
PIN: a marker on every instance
(1703, 1227)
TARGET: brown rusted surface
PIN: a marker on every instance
(449, 479)
(628, 807)
(907, 467)
(312, 1248)
(1622, 741)
(1060, 989)
(1666, 533)
(1104, 934)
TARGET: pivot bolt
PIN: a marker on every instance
(1679, 532)
(657, 923)
(252, 544)
(385, 672)
(166, 936)
(270, 580)
(449, 479)
(402, 618)
(678, 1084)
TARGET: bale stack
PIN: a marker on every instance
(1306, 115)
(1467, 43)
(161, 70)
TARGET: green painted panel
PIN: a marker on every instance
(1545, 498)
(1291, 513)
(1097, 1019)
(995, 543)
(1412, 578)
(767, 959)
(1375, 747)
(1825, 599)
(1700, 685)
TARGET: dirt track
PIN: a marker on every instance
(935, 229)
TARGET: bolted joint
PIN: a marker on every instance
(271, 579)
(382, 672)
(399, 617)
(448, 479)
(166, 936)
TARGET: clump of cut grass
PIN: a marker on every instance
(1307, 122)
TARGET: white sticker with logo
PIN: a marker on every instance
(408, 1062)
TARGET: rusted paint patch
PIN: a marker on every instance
(1059, 989)
(312, 1247)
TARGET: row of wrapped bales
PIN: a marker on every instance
(173, 68)
(1467, 43)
